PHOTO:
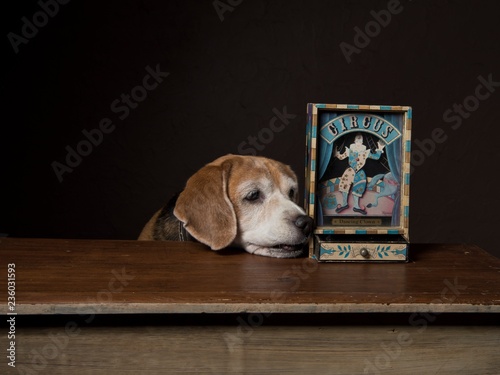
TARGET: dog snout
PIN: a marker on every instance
(305, 223)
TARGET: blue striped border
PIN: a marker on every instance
(408, 146)
(407, 178)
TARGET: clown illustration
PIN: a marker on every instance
(354, 178)
(357, 181)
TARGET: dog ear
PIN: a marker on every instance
(205, 209)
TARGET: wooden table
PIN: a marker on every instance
(182, 307)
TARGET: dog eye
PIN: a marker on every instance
(253, 195)
(291, 193)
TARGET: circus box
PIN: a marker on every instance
(357, 182)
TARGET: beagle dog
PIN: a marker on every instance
(243, 201)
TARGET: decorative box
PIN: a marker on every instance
(357, 181)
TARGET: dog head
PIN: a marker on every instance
(245, 201)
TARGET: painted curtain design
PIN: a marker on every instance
(337, 140)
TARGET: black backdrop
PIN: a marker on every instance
(174, 84)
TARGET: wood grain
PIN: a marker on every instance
(262, 350)
(55, 276)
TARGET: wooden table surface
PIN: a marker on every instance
(55, 276)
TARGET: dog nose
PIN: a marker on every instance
(305, 223)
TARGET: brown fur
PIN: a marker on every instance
(214, 200)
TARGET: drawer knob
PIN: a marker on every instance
(364, 252)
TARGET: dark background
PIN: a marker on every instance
(226, 75)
